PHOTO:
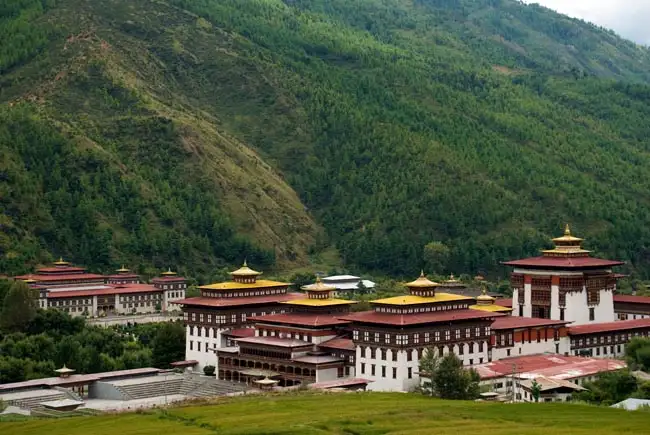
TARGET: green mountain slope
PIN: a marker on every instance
(481, 124)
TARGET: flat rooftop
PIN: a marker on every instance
(146, 380)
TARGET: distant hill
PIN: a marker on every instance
(347, 413)
(176, 132)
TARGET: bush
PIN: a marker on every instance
(209, 370)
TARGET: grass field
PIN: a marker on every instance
(367, 414)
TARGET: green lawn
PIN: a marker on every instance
(370, 413)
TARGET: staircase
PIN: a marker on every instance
(164, 387)
(200, 386)
(69, 393)
(34, 403)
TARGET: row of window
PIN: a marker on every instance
(625, 337)
(425, 309)
(216, 294)
(174, 286)
(382, 354)
(68, 302)
(223, 318)
(416, 338)
(148, 296)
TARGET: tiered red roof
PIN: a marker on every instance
(419, 318)
(65, 269)
(275, 341)
(631, 299)
(243, 300)
(503, 302)
(564, 262)
(621, 325)
(514, 322)
(240, 332)
(338, 343)
(61, 277)
(301, 319)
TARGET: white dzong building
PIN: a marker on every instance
(565, 283)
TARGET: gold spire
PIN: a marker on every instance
(245, 271)
(567, 245)
(485, 299)
(318, 286)
(422, 281)
(122, 269)
(60, 262)
(567, 230)
(169, 272)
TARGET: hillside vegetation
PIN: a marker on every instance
(174, 132)
(362, 414)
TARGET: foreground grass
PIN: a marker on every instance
(369, 413)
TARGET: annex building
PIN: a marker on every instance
(73, 290)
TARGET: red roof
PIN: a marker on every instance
(302, 319)
(240, 333)
(631, 299)
(186, 363)
(414, 319)
(620, 325)
(553, 366)
(114, 290)
(62, 277)
(243, 300)
(275, 341)
(503, 302)
(339, 343)
(515, 322)
(66, 269)
(563, 262)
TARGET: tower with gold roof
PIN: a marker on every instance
(564, 283)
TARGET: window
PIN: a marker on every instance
(394, 372)
(376, 337)
(383, 371)
(477, 332)
(416, 338)
(467, 333)
(193, 317)
(372, 370)
(387, 338)
(233, 318)
(427, 337)
(363, 368)
(191, 345)
(457, 334)
(447, 335)
(209, 318)
(198, 346)
(366, 336)
(410, 375)
(592, 314)
(383, 354)
(561, 313)
(409, 355)
(355, 335)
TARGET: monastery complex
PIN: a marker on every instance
(564, 313)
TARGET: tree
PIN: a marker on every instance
(209, 370)
(535, 390)
(448, 379)
(609, 388)
(168, 345)
(18, 307)
(637, 353)
(436, 256)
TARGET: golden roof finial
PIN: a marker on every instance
(61, 261)
(318, 279)
(422, 273)
(567, 230)
(245, 263)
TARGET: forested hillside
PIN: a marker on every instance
(170, 132)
